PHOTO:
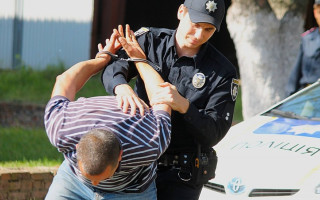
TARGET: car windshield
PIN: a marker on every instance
(305, 105)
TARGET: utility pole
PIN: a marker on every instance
(17, 34)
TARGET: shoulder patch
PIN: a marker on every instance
(308, 31)
(235, 88)
(141, 31)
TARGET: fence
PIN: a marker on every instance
(38, 33)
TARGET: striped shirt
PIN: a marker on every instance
(143, 138)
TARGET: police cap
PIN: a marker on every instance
(206, 11)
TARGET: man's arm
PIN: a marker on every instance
(150, 77)
(71, 81)
(115, 79)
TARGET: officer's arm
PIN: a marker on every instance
(208, 125)
(211, 124)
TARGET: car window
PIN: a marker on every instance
(307, 104)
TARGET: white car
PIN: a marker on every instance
(274, 155)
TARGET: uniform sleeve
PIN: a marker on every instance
(295, 75)
(118, 72)
(121, 72)
(211, 124)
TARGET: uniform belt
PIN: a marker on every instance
(176, 160)
(182, 162)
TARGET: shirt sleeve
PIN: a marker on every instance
(66, 122)
(53, 119)
(163, 121)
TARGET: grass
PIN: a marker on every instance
(237, 116)
(27, 85)
(25, 147)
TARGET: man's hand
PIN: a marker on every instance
(112, 45)
(168, 94)
(129, 42)
(125, 95)
(126, 98)
(71, 81)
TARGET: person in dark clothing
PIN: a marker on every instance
(307, 66)
(201, 87)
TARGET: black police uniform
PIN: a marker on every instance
(208, 80)
(307, 67)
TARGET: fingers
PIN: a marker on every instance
(145, 107)
(126, 102)
(113, 37)
(120, 29)
(123, 103)
(107, 47)
(100, 48)
(120, 101)
(128, 33)
(164, 95)
(142, 106)
(132, 102)
(134, 39)
(132, 106)
(118, 39)
(123, 43)
(165, 84)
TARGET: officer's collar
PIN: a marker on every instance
(172, 41)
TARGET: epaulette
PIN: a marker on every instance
(141, 31)
(309, 31)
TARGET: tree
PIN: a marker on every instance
(266, 34)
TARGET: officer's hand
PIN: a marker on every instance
(168, 94)
(126, 98)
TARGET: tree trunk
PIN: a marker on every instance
(266, 34)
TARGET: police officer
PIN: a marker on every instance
(201, 88)
(307, 67)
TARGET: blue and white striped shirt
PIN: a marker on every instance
(143, 139)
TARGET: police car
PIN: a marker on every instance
(274, 155)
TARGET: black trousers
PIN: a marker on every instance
(171, 187)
